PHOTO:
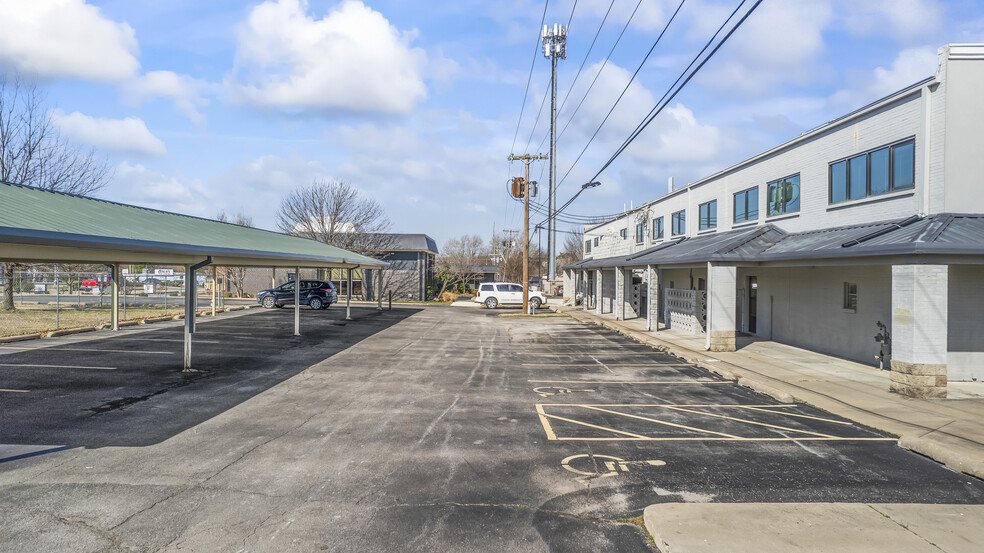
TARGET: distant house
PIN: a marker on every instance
(412, 259)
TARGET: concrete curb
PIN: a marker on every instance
(955, 460)
(19, 338)
(69, 331)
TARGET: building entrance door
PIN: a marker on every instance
(752, 303)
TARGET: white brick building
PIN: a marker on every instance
(877, 216)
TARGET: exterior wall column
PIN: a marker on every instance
(598, 291)
(584, 287)
(569, 287)
(652, 298)
(619, 294)
(919, 330)
(722, 304)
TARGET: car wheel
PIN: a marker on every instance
(316, 303)
(491, 303)
(269, 302)
(535, 302)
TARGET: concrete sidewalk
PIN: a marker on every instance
(950, 431)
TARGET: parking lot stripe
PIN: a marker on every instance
(607, 364)
(657, 421)
(635, 382)
(753, 408)
(715, 439)
(14, 391)
(750, 422)
(595, 353)
(606, 429)
(546, 423)
(663, 405)
(167, 340)
(97, 350)
(56, 366)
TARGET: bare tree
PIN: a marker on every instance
(510, 252)
(338, 214)
(460, 261)
(236, 275)
(32, 153)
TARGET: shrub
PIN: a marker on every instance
(448, 297)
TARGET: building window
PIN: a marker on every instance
(587, 246)
(640, 233)
(624, 233)
(596, 240)
(784, 195)
(658, 228)
(850, 296)
(679, 223)
(708, 215)
(747, 205)
(872, 173)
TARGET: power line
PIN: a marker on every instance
(671, 93)
(536, 50)
(666, 100)
(624, 90)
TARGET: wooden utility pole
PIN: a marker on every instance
(523, 190)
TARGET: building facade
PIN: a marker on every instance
(875, 218)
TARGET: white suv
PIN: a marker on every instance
(492, 294)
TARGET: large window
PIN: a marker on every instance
(587, 246)
(640, 232)
(872, 173)
(784, 195)
(747, 205)
(658, 228)
(679, 223)
(708, 215)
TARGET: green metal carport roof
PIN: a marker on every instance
(40, 225)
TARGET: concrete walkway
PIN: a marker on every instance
(950, 431)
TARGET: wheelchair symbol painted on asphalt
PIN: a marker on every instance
(547, 391)
(592, 467)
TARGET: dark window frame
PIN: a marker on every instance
(710, 223)
(678, 216)
(784, 211)
(587, 246)
(640, 234)
(850, 296)
(748, 211)
(658, 224)
(624, 233)
(891, 147)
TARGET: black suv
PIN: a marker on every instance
(317, 294)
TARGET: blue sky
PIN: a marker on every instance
(227, 105)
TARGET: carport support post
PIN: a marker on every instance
(215, 287)
(348, 296)
(191, 304)
(584, 286)
(115, 321)
(722, 301)
(297, 301)
(619, 294)
(651, 293)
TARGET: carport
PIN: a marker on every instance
(40, 226)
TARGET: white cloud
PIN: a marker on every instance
(351, 59)
(900, 20)
(183, 90)
(129, 135)
(909, 67)
(55, 38)
(138, 185)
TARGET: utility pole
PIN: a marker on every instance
(521, 189)
(554, 46)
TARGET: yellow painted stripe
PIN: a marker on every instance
(595, 426)
(657, 421)
(846, 423)
(546, 423)
(607, 364)
(746, 421)
(715, 439)
(657, 405)
(56, 366)
(14, 391)
(599, 354)
(633, 382)
(60, 348)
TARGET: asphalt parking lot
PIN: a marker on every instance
(436, 429)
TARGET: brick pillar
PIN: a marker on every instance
(919, 330)
(652, 297)
(598, 291)
(619, 294)
(722, 303)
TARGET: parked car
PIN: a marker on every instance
(493, 294)
(317, 294)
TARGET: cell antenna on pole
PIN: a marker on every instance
(554, 47)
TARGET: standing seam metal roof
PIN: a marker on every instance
(36, 216)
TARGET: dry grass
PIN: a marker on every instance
(448, 297)
(28, 320)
